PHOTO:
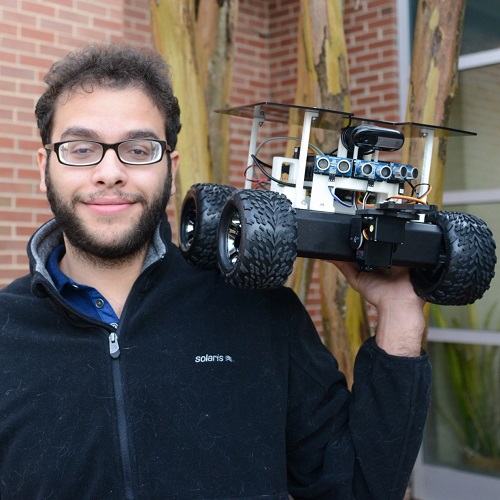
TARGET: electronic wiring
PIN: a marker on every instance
(287, 138)
(360, 198)
(421, 195)
(409, 199)
(338, 200)
(365, 199)
(259, 182)
(413, 198)
(261, 165)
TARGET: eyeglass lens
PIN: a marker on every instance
(89, 152)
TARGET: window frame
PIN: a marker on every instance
(435, 481)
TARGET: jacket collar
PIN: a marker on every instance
(49, 236)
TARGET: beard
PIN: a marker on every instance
(123, 247)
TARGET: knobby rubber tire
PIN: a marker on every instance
(257, 239)
(199, 222)
(469, 264)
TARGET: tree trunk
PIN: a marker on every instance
(195, 38)
(433, 83)
(323, 82)
(215, 43)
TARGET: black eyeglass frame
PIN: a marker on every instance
(105, 146)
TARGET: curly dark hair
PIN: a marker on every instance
(115, 66)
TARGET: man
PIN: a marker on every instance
(128, 373)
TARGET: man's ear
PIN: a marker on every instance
(174, 159)
(41, 159)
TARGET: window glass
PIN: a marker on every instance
(463, 427)
(472, 164)
(482, 18)
(481, 21)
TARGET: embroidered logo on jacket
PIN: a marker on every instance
(211, 358)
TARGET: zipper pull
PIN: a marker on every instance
(114, 347)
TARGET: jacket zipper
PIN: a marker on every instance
(114, 351)
(114, 346)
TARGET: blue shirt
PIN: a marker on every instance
(82, 297)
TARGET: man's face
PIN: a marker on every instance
(107, 211)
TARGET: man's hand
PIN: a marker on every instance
(401, 321)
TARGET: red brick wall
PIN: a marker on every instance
(264, 68)
(35, 33)
(372, 44)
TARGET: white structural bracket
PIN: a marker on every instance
(300, 199)
(428, 134)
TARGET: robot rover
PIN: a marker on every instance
(345, 205)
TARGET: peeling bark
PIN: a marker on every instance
(215, 28)
(433, 82)
(196, 39)
(323, 81)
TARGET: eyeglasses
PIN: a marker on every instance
(82, 153)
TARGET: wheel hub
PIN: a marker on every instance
(233, 238)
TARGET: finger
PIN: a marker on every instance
(350, 270)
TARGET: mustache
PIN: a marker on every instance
(104, 193)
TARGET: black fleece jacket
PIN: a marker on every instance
(216, 392)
